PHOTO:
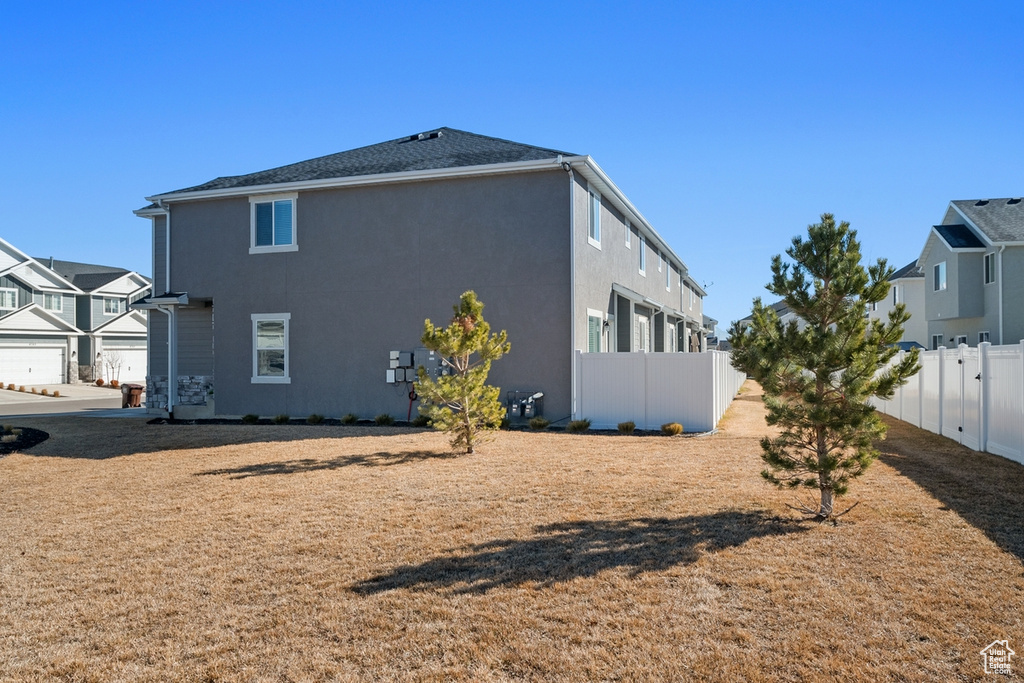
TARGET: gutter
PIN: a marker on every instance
(567, 167)
(999, 269)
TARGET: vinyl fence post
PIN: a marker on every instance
(983, 396)
(942, 383)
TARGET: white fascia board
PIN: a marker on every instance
(68, 328)
(693, 285)
(46, 272)
(150, 212)
(64, 288)
(138, 315)
(589, 169)
(974, 228)
(103, 289)
(353, 181)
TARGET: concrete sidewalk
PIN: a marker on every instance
(74, 399)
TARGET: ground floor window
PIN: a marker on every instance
(593, 332)
(961, 339)
(270, 348)
(643, 333)
(982, 337)
(936, 341)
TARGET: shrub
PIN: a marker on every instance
(281, 419)
(578, 426)
(114, 383)
(539, 423)
(315, 419)
(8, 438)
(504, 424)
(10, 387)
(421, 421)
(21, 388)
(7, 428)
(349, 419)
(627, 427)
(34, 390)
(384, 420)
(250, 419)
(16, 432)
(671, 429)
(45, 392)
(56, 393)
(100, 382)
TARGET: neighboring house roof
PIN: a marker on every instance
(959, 237)
(87, 276)
(911, 270)
(1001, 220)
(780, 307)
(439, 148)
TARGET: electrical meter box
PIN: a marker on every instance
(431, 362)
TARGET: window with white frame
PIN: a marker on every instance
(111, 306)
(629, 236)
(895, 297)
(8, 299)
(983, 337)
(272, 223)
(936, 341)
(939, 276)
(270, 348)
(990, 268)
(594, 222)
(53, 302)
(661, 260)
(961, 339)
(642, 243)
(668, 278)
(595, 323)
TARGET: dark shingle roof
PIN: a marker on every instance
(1002, 220)
(909, 270)
(439, 148)
(959, 236)
(85, 276)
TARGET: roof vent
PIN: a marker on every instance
(1014, 201)
(981, 202)
(425, 136)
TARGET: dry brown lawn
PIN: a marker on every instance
(155, 552)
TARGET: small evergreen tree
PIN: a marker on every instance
(819, 371)
(461, 403)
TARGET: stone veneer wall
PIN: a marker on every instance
(192, 390)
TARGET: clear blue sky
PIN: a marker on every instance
(731, 126)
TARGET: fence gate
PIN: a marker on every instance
(970, 404)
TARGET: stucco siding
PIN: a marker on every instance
(372, 263)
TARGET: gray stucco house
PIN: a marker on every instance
(63, 321)
(973, 264)
(284, 291)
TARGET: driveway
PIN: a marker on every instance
(73, 399)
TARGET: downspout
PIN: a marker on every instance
(567, 167)
(999, 269)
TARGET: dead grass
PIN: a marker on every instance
(351, 553)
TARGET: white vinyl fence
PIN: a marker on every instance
(974, 396)
(650, 389)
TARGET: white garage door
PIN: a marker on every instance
(129, 365)
(32, 366)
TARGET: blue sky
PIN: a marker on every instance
(731, 126)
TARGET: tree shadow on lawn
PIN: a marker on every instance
(380, 459)
(985, 490)
(568, 550)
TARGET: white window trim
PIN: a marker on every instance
(937, 338)
(591, 313)
(661, 260)
(629, 235)
(668, 278)
(986, 270)
(594, 209)
(643, 255)
(116, 301)
(13, 291)
(935, 277)
(270, 198)
(986, 334)
(961, 339)
(56, 297)
(257, 379)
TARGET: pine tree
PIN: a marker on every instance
(461, 403)
(818, 372)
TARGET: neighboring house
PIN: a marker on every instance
(973, 263)
(781, 309)
(38, 334)
(907, 288)
(50, 330)
(315, 271)
(113, 345)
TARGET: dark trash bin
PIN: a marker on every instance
(131, 395)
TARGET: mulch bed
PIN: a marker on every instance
(27, 439)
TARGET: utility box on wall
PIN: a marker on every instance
(403, 365)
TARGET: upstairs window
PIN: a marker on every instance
(629, 236)
(895, 297)
(111, 306)
(53, 302)
(8, 299)
(594, 222)
(939, 276)
(668, 278)
(643, 255)
(990, 268)
(272, 223)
